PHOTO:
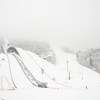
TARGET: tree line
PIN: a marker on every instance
(89, 58)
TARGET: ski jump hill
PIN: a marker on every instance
(21, 69)
(24, 75)
(24, 69)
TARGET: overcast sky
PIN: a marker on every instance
(74, 23)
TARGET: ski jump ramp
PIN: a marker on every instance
(21, 71)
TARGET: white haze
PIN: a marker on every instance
(74, 23)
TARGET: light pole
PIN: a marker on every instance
(68, 70)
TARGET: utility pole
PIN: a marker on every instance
(68, 70)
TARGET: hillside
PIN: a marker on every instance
(84, 84)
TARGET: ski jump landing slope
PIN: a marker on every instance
(36, 65)
(17, 78)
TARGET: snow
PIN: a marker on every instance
(83, 85)
(50, 94)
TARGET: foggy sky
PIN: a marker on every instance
(74, 23)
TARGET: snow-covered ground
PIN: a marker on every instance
(50, 94)
(80, 75)
(83, 85)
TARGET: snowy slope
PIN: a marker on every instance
(34, 65)
(80, 78)
(19, 78)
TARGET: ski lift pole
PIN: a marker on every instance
(42, 73)
(68, 70)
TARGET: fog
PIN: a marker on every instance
(73, 23)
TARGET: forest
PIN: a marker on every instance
(89, 58)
